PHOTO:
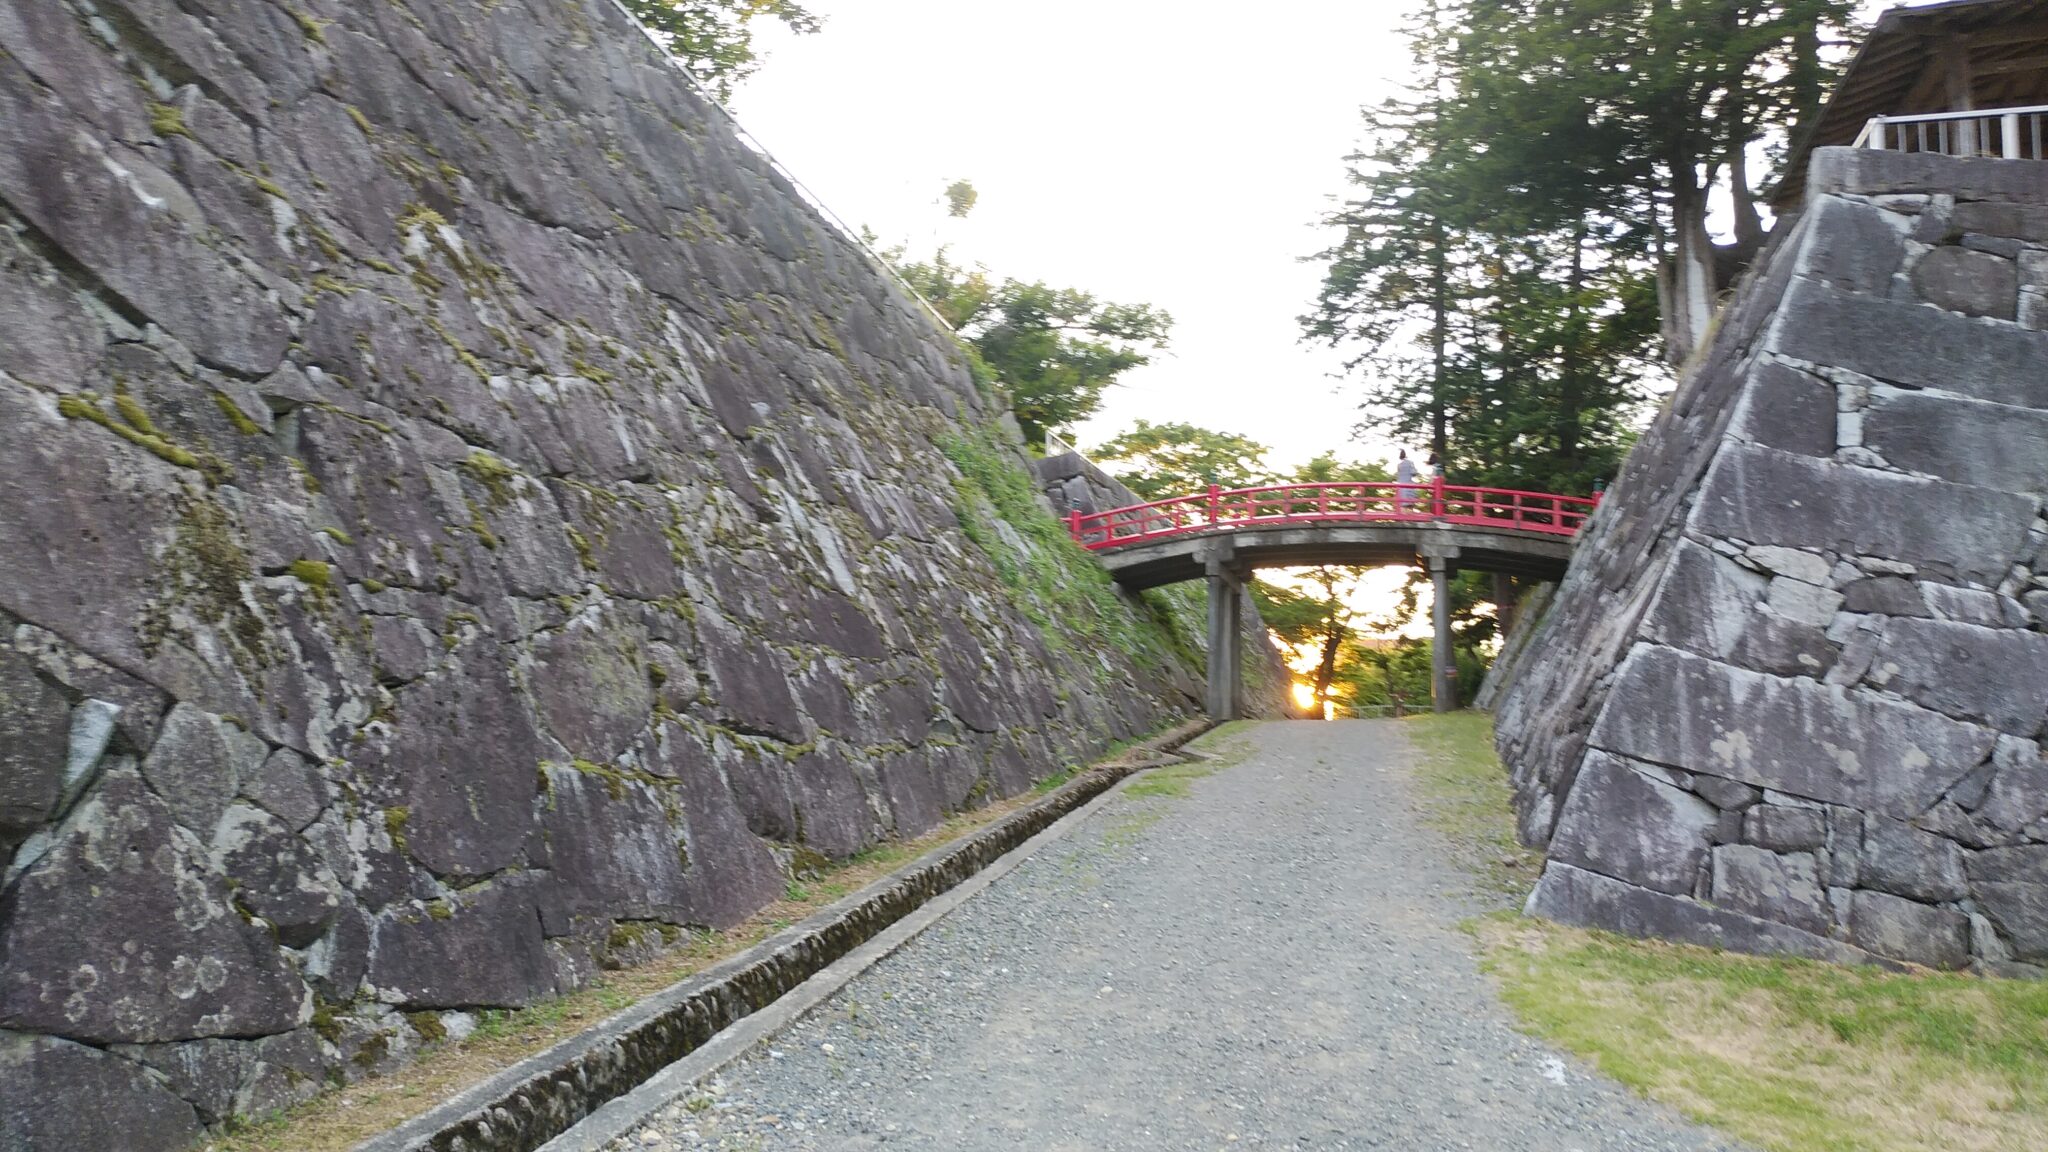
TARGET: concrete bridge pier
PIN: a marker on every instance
(1443, 679)
(1226, 633)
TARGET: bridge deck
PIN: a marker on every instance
(1532, 555)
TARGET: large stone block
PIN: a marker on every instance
(1785, 408)
(730, 871)
(121, 933)
(1856, 246)
(1761, 883)
(1884, 172)
(1903, 930)
(1620, 822)
(1783, 829)
(59, 1095)
(1967, 441)
(615, 845)
(1575, 896)
(1768, 497)
(193, 768)
(2011, 885)
(1812, 740)
(466, 805)
(1704, 602)
(1901, 859)
(1988, 675)
(480, 950)
(35, 739)
(2016, 794)
(1914, 345)
(132, 227)
(1972, 283)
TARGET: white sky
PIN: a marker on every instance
(1148, 151)
(1143, 150)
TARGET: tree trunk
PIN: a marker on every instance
(1440, 306)
(1685, 284)
(1326, 670)
(1569, 394)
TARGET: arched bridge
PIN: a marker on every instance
(1222, 534)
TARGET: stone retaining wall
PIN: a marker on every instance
(464, 519)
(1791, 696)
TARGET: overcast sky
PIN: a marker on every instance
(1129, 147)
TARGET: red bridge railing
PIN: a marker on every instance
(1222, 509)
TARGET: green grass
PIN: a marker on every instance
(1789, 1055)
(1055, 582)
(1465, 797)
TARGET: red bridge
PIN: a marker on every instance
(1222, 534)
(1232, 508)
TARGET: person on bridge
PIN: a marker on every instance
(1404, 475)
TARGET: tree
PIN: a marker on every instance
(1645, 111)
(960, 199)
(1054, 349)
(1513, 333)
(1161, 460)
(715, 38)
(1393, 279)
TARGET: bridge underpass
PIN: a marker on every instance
(1223, 535)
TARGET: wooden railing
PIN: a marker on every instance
(1220, 509)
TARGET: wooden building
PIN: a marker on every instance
(1967, 78)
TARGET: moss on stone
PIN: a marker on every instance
(440, 910)
(236, 417)
(132, 411)
(337, 535)
(315, 29)
(373, 585)
(313, 573)
(494, 474)
(372, 1052)
(167, 120)
(482, 529)
(419, 216)
(428, 1025)
(84, 406)
(394, 824)
(581, 543)
(326, 1022)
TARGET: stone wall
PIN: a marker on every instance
(464, 521)
(1073, 483)
(1791, 695)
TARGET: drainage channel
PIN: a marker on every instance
(525, 1107)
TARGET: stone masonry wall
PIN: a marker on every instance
(1791, 696)
(464, 521)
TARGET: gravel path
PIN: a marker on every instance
(1270, 960)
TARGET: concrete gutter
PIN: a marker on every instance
(530, 1103)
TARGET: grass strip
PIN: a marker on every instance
(1789, 1055)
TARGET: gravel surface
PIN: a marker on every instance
(1270, 960)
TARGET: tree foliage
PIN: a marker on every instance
(1173, 459)
(1055, 350)
(715, 38)
(1515, 228)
